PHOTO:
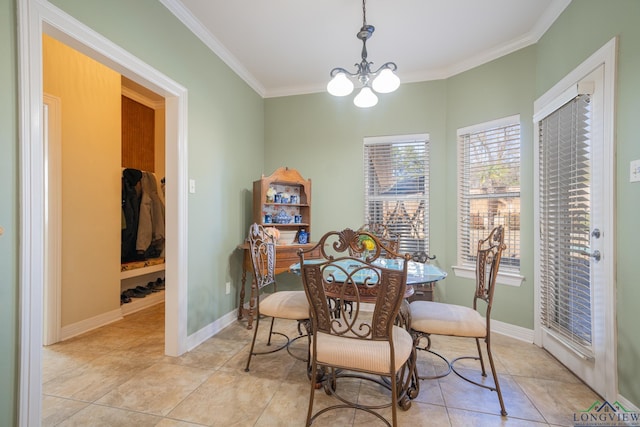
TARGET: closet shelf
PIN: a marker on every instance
(140, 268)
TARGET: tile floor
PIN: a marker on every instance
(118, 376)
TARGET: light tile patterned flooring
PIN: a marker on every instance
(118, 376)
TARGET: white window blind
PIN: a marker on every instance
(489, 188)
(396, 174)
(564, 224)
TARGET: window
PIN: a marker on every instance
(396, 183)
(489, 189)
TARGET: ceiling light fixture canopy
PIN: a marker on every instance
(382, 80)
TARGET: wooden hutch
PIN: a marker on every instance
(282, 216)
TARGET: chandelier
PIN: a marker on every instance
(382, 80)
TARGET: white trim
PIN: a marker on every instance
(199, 30)
(138, 97)
(86, 325)
(34, 18)
(627, 404)
(415, 137)
(557, 96)
(138, 304)
(52, 287)
(127, 274)
(504, 278)
(513, 331)
(480, 127)
(197, 338)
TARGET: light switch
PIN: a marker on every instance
(192, 186)
(634, 171)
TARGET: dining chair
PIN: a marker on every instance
(269, 302)
(367, 343)
(436, 318)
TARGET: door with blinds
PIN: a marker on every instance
(573, 234)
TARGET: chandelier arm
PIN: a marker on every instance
(390, 65)
(342, 70)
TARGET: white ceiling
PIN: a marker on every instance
(288, 47)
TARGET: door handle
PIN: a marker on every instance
(596, 255)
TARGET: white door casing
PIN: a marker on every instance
(598, 369)
(36, 17)
(52, 287)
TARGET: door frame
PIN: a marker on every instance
(36, 17)
(606, 349)
(52, 287)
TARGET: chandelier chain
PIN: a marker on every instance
(364, 13)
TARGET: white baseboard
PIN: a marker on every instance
(513, 331)
(627, 404)
(90, 324)
(211, 329)
(138, 304)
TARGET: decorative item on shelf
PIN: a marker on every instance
(297, 219)
(272, 231)
(287, 237)
(267, 219)
(277, 198)
(282, 217)
(293, 199)
(271, 192)
(284, 198)
(303, 237)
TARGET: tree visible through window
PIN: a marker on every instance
(396, 188)
(489, 188)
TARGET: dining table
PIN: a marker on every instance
(418, 274)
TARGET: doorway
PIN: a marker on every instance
(574, 227)
(35, 19)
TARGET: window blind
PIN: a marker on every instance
(489, 188)
(396, 175)
(564, 224)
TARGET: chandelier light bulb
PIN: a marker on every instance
(340, 85)
(386, 82)
(366, 98)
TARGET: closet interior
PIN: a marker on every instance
(143, 198)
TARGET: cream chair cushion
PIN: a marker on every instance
(363, 354)
(447, 319)
(285, 305)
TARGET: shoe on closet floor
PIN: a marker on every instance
(151, 286)
(143, 290)
(134, 293)
(124, 299)
(159, 284)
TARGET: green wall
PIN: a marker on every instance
(234, 136)
(8, 214)
(583, 28)
(322, 137)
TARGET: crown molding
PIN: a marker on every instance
(196, 27)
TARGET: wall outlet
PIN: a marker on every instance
(228, 288)
(634, 171)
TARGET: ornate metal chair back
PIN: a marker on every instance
(487, 265)
(263, 256)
